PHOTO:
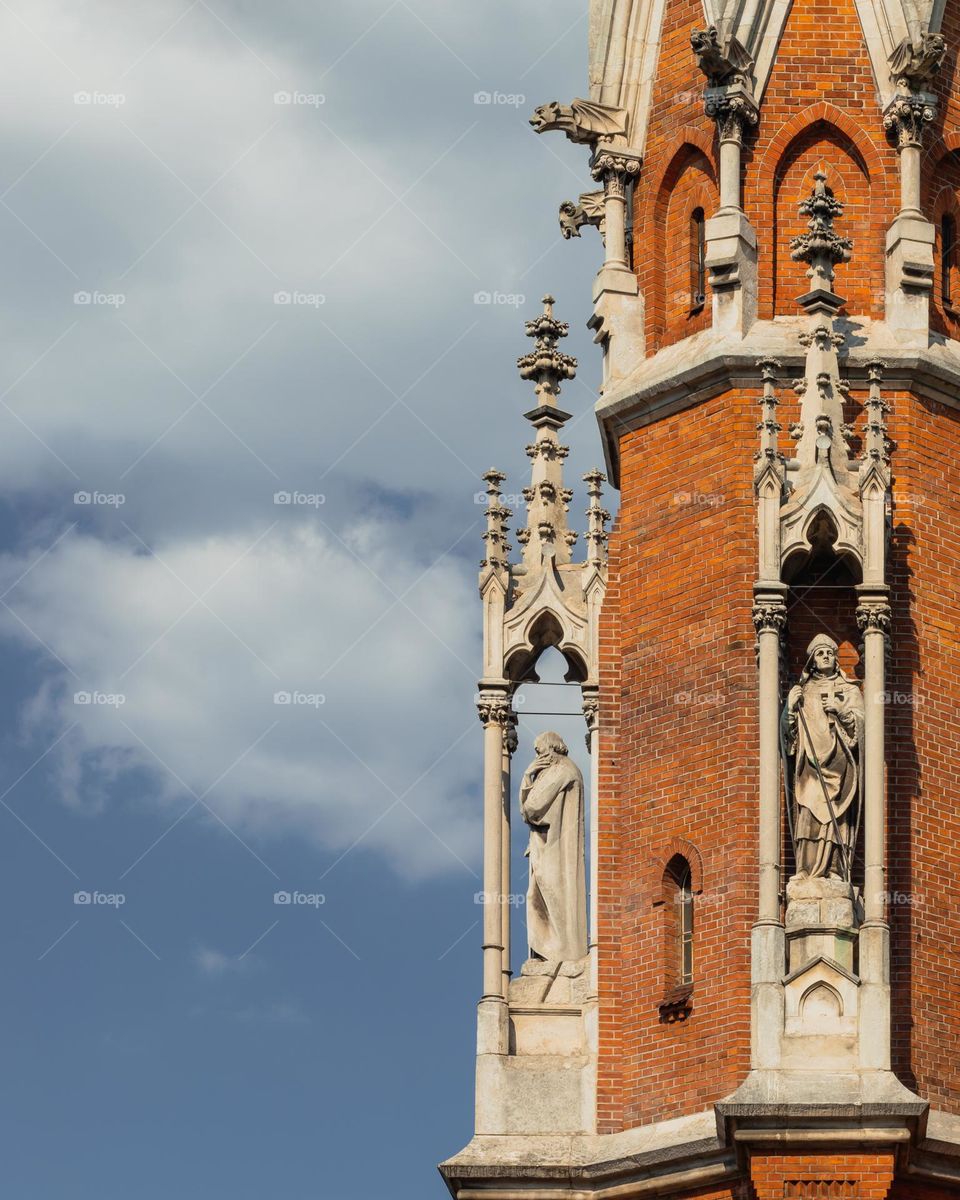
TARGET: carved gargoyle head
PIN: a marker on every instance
(914, 65)
(547, 116)
(722, 64)
(569, 225)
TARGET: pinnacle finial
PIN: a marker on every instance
(545, 364)
(821, 246)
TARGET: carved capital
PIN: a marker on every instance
(873, 616)
(770, 616)
(907, 117)
(495, 708)
(614, 171)
(734, 111)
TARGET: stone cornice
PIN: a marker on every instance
(703, 366)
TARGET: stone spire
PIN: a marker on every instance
(597, 518)
(546, 535)
(825, 478)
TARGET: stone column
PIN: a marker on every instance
(494, 710)
(615, 171)
(910, 239)
(591, 713)
(618, 314)
(768, 943)
(509, 749)
(769, 618)
(873, 617)
(731, 242)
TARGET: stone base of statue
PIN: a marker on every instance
(822, 921)
(546, 1007)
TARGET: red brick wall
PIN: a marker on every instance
(678, 685)
(825, 1176)
(924, 732)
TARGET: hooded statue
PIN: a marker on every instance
(822, 732)
(551, 803)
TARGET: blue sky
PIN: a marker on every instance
(241, 250)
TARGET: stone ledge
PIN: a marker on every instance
(707, 363)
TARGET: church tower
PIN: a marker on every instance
(743, 971)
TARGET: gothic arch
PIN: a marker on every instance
(686, 181)
(824, 136)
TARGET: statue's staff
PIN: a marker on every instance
(841, 845)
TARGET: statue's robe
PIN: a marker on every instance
(551, 802)
(836, 743)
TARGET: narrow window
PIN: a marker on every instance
(685, 926)
(698, 264)
(948, 253)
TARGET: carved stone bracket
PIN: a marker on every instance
(913, 67)
(588, 210)
(583, 121)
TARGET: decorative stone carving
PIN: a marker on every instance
(907, 117)
(874, 616)
(614, 171)
(495, 709)
(588, 210)
(551, 803)
(770, 615)
(734, 111)
(821, 246)
(545, 364)
(915, 66)
(822, 728)
(722, 64)
(583, 121)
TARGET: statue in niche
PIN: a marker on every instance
(551, 803)
(822, 739)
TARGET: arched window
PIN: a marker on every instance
(698, 260)
(678, 906)
(948, 256)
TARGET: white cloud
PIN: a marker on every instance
(380, 718)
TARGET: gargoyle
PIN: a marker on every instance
(589, 210)
(583, 121)
(722, 65)
(915, 66)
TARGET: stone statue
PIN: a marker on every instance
(822, 737)
(551, 802)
